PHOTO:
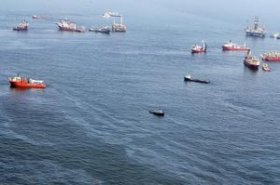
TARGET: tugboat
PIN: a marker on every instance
(256, 30)
(230, 46)
(65, 25)
(265, 67)
(251, 62)
(119, 27)
(273, 56)
(188, 78)
(26, 83)
(157, 112)
(23, 26)
(199, 48)
(102, 29)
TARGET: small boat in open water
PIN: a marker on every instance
(26, 83)
(36, 17)
(157, 112)
(188, 78)
(199, 48)
(101, 29)
(265, 67)
(275, 35)
(23, 26)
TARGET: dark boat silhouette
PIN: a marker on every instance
(188, 78)
(157, 112)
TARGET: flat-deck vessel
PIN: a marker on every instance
(101, 29)
(273, 56)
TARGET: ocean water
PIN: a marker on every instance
(91, 125)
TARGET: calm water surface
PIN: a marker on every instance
(92, 126)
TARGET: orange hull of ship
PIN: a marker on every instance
(26, 85)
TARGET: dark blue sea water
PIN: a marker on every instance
(92, 126)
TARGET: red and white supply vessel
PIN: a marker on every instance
(273, 56)
(230, 46)
(26, 83)
(199, 48)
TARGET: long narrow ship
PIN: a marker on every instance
(273, 56)
(230, 46)
(23, 26)
(256, 30)
(26, 83)
(101, 29)
(251, 61)
(65, 25)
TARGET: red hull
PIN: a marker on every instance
(198, 51)
(251, 66)
(272, 59)
(25, 85)
(234, 49)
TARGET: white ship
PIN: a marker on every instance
(65, 25)
(118, 27)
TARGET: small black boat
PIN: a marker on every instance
(157, 112)
(188, 78)
(102, 29)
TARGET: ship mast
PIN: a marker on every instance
(256, 23)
